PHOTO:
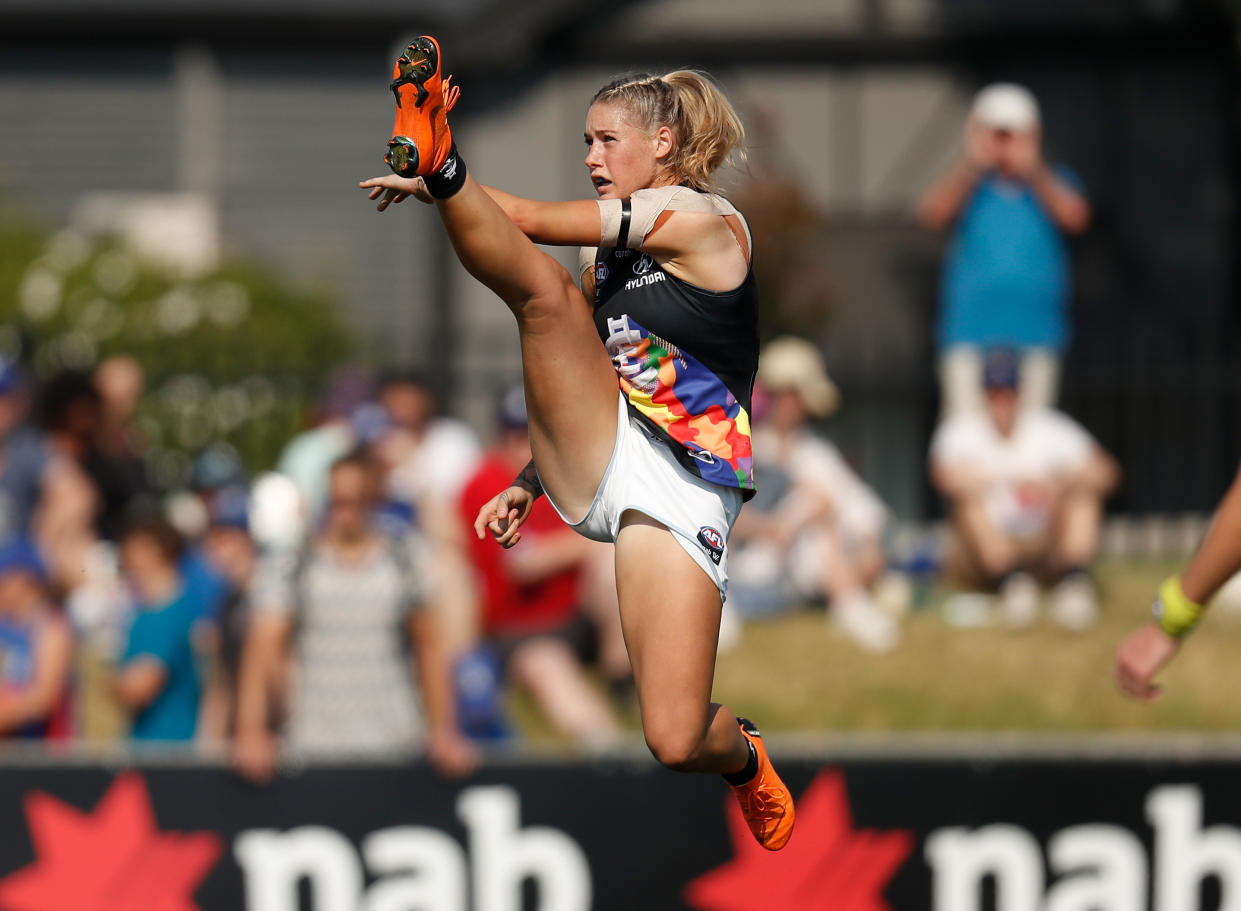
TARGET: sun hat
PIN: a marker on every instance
(796, 364)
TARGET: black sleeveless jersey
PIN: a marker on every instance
(686, 359)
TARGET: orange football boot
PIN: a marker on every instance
(765, 802)
(422, 140)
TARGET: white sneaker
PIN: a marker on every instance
(969, 609)
(1074, 604)
(894, 593)
(865, 623)
(1019, 597)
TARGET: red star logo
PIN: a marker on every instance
(114, 859)
(826, 866)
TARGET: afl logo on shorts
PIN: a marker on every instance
(601, 273)
(713, 541)
(643, 265)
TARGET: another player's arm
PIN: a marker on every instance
(1145, 651)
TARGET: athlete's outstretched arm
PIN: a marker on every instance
(567, 224)
(1145, 651)
(564, 224)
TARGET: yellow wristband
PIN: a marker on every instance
(1174, 612)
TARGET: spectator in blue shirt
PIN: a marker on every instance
(157, 680)
(1006, 280)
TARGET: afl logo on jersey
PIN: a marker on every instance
(713, 541)
(643, 265)
(601, 273)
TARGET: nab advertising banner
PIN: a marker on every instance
(907, 835)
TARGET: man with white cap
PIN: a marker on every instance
(814, 529)
(1006, 277)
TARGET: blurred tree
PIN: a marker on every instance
(235, 356)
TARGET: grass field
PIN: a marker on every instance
(799, 673)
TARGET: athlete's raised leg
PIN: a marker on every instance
(571, 388)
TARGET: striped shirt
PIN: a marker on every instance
(354, 689)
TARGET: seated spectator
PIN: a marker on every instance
(1026, 489)
(533, 595)
(813, 531)
(36, 649)
(347, 609)
(157, 680)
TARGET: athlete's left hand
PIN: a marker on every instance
(452, 755)
(503, 514)
(395, 189)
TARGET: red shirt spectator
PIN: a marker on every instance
(511, 606)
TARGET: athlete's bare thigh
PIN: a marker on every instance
(571, 391)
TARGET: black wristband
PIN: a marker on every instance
(449, 178)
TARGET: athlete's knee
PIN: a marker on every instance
(676, 747)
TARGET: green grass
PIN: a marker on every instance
(799, 673)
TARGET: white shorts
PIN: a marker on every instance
(644, 476)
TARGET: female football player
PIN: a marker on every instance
(644, 439)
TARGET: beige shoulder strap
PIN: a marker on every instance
(627, 222)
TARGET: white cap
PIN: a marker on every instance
(1006, 106)
(793, 363)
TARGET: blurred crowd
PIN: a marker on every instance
(338, 605)
(343, 603)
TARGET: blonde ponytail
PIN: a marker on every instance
(707, 133)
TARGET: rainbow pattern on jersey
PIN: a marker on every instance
(686, 401)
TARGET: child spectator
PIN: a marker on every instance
(157, 680)
(36, 649)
